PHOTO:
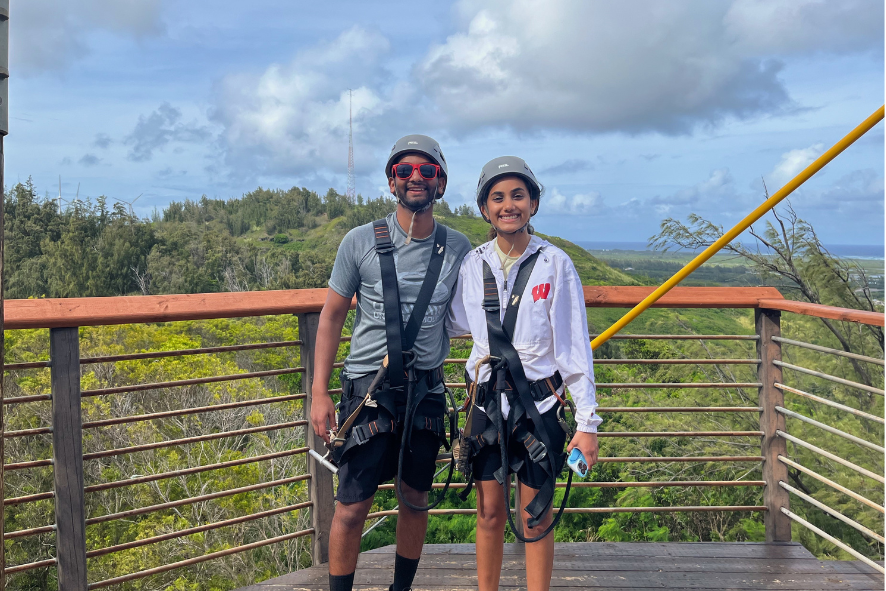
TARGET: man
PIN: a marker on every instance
(387, 264)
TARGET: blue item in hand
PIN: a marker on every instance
(577, 462)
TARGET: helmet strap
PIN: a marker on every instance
(420, 209)
(415, 211)
(409, 233)
(517, 231)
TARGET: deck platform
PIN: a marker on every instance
(606, 565)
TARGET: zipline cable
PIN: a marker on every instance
(743, 225)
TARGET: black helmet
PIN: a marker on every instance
(502, 166)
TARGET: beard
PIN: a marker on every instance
(416, 203)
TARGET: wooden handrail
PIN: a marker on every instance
(70, 312)
(822, 311)
(679, 297)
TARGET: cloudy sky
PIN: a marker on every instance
(629, 112)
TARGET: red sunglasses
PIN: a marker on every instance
(427, 171)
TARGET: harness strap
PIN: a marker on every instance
(500, 346)
(426, 292)
(386, 423)
(382, 399)
(510, 320)
(398, 339)
(539, 390)
(391, 296)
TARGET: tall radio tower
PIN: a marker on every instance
(351, 186)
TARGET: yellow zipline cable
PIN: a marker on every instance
(743, 225)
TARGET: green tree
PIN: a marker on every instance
(790, 252)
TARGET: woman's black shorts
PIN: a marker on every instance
(375, 462)
(488, 461)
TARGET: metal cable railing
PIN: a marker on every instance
(316, 478)
(832, 385)
(182, 442)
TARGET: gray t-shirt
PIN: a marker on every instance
(356, 270)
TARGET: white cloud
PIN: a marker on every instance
(707, 195)
(790, 165)
(555, 202)
(859, 192)
(52, 34)
(293, 118)
(798, 26)
(668, 67)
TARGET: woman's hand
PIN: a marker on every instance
(587, 444)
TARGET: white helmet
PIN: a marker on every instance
(506, 166)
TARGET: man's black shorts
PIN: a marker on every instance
(375, 462)
(487, 462)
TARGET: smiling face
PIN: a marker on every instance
(416, 191)
(509, 204)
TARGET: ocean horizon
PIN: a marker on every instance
(855, 251)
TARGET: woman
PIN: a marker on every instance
(522, 300)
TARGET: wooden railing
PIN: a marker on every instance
(67, 426)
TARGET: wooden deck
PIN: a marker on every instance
(603, 565)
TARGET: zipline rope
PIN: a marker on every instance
(743, 225)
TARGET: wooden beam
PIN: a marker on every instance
(66, 312)
(778, 525)
(2, 363)
(2, 371)
(679, 297)
(320, 486)
(62, 312)
(821, 311)
(67, 455)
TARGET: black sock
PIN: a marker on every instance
(404, 572)
(341, 582)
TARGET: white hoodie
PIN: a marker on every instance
(551, 332)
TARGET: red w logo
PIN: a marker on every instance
(541, 291)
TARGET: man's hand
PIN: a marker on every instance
(332, 319)
(322, 414)
(586, 443)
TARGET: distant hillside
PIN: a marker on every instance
(266, 239)
(591, 270)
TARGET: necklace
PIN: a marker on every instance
(503, 262)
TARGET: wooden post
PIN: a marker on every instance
(778, 525)
(67, 456)
(2, 376)
(320, 485)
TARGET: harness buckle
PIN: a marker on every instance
(359, 435)
(537, 450)
(384, 248)
(497, 363)
(561, 418)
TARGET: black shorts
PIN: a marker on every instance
(488, 461)
(375, 462)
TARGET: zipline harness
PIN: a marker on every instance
(508, 378)
(398, 368)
